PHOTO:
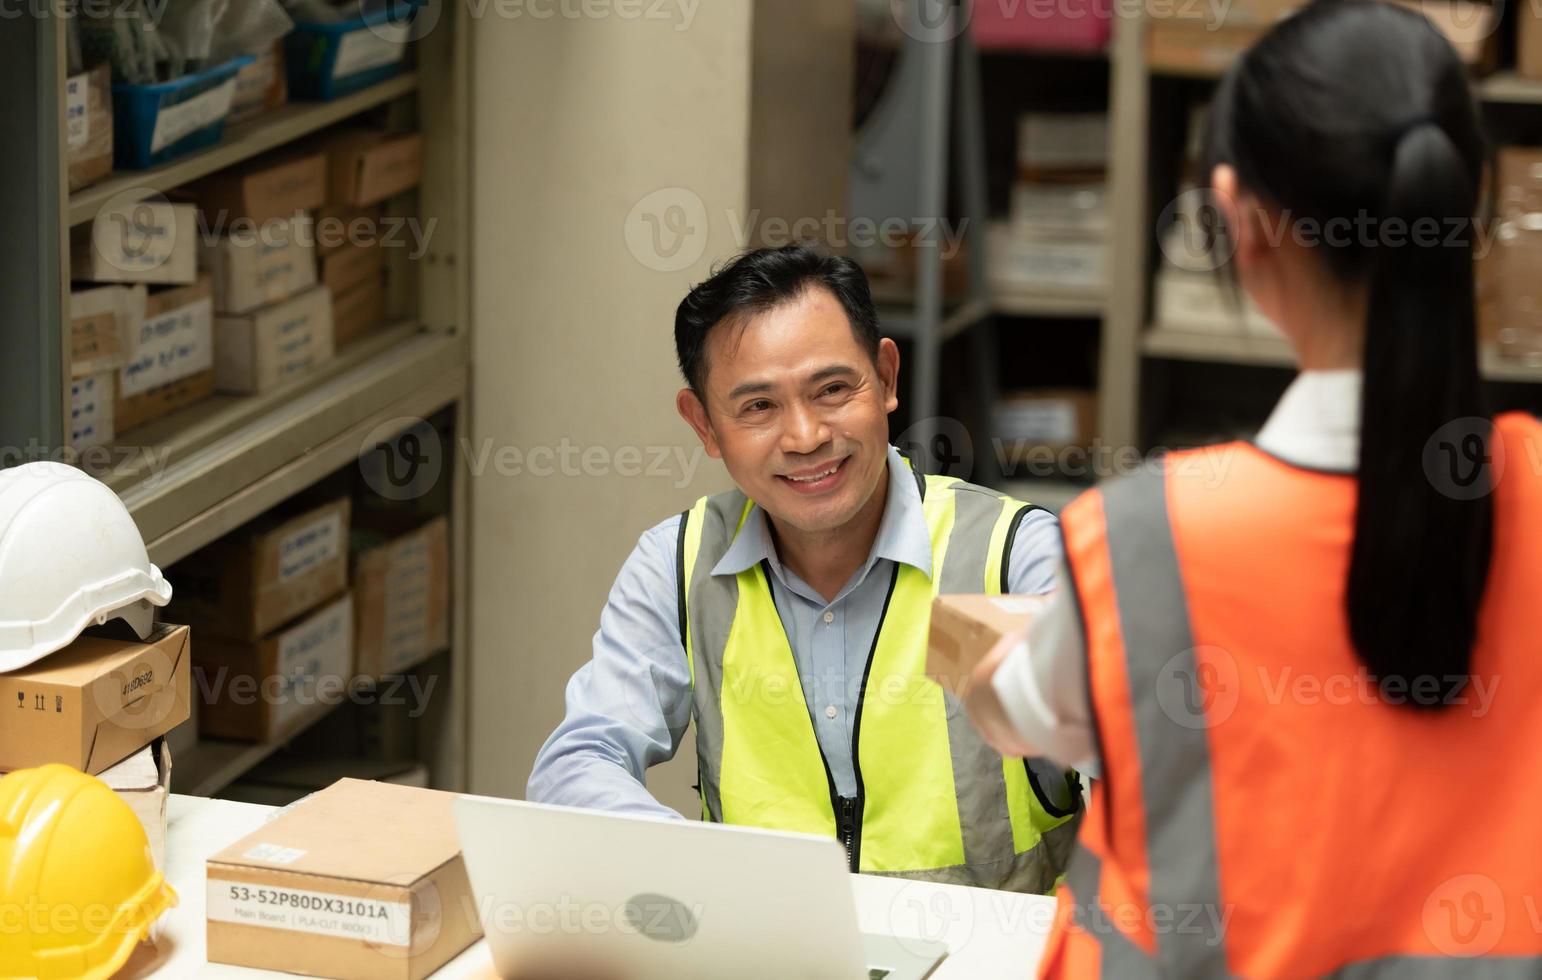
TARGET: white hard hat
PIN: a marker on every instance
(70, 557)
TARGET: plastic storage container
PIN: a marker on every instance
(160, 122)
(325, 61)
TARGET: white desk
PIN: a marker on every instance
(989, 933)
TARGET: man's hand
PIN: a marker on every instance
(985, 708)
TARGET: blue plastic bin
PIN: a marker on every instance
(324, 61)
(187, 111)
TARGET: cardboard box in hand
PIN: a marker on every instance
(966, 627)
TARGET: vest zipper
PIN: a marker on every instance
(846, 822)
(859, 804)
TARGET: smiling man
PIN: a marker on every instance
(788, 618)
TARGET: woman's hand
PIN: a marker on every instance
(985, 708)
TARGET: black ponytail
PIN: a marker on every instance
(1355, 107)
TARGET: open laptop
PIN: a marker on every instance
(588, 895)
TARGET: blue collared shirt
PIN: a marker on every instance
(629, 706)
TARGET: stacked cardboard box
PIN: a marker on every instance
(275, 622)
(401, 586)
(102, 319)
(365, 167)
(1054, 238)
(88, 126)
(274, 320)
(1509, 285)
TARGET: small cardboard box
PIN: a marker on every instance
(1528, 42)
(171, 358)
(357, 312)
(365, 166)
(138, 241)
(355, 264)
(258, 265)
(260, 577)
(273, 187)
(1049, 142)
(271, 344)
(97, 701)
(91, 422)
(143, 781)
(88, 125)
(1057, 418)
(1187, 47)
(101, 321)
(966, 627)
(1040, 260)
(362, 881)
(262, 690)
(401, 588)
(260, 86)
(341, 225)
(1519, 182)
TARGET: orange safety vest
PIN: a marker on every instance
(1264, 810)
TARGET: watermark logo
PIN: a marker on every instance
(401, 459)
(1192, 230)
(405, 21)
(1199, 688)
(667, 230)
(932, 21)
(938, 446)
(921, 915)
(1463, 460)
(1465, 915)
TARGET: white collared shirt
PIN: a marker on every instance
(1316, 424)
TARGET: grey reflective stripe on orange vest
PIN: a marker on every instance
(1121, 958)
(1163, 676)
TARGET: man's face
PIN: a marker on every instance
(798, 411)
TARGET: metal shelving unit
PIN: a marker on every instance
(221, 462)
(1130, 336)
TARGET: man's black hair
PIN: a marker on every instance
(760, 280)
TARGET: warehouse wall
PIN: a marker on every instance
(575, 122)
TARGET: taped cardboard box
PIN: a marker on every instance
(143, 781)
(91, 421)
(263, 575)
(259, 265)
(357, 312)
(137, 241)
(401, 596)
(88, 126)
(170, 362)
(965, 628)
(318, 891)
(273, 343)
(262, 690)
(272, 187)
(366, 166)
(97, 701)
(102, 319)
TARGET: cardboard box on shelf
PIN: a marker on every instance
(341, 225)
(1199, 302)
(1188, 47)
(1056, 418)
(1237, 13)
(261, 576)
(1519, 182)
(88, 126)
(91, 422)
(1052, 144)
(257, 265)
(352, 265)
(401, 588)
(137, 241)
(1514, 289)
(170, 360)
(97, 701)
(143, 781)
(316, 891)
(366, 166)
(260, 86)
(102, 318)
(1077, 209)
(256, 193)
(1528, 42)
(271, 344)
(357, 312)
(964, 628)
(261, 690)
(1041, 260)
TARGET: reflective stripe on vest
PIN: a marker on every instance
(1197, 735)
(933, 800)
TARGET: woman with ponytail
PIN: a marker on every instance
(1305, 670)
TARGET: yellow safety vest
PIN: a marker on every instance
(933, 800)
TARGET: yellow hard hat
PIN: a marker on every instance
(78, 887)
